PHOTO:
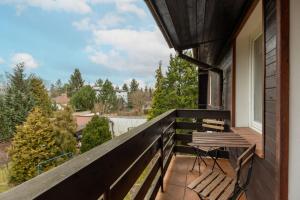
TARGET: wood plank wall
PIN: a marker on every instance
(263, 183)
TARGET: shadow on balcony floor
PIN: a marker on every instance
(179, 176)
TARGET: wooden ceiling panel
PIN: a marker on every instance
(203, 24)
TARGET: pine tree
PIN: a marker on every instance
(99, 83)
(40, 95)
(84, 99)
(125, 87)
(134, 85)
(108, 97)
(159, 99)
(17, 102)
(178, 89)
(75, 83)
(65, 127)
(95, 133)
(34, 142)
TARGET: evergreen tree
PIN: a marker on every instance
(84, 99)
(125, 87)
(177, 90)
(134, 85)
(59, 86)
(53, 91)
(34, 142)
(65, 127)
(99, 83)
(159, 99)
(108, 97)
(95, 133)
(75, 83)
(40, 95)
(18, 101)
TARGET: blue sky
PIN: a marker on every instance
(115, 39)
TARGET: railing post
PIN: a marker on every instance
(162, 160)
(106, 195)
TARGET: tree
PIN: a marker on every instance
(84, 99)
(65, 127)
(75, 83)
(99, 83)
(125, 87)
(40, 95)
(178, 89)
(134, 85)
(108, 97)
(17, 102)
(138, 99)
(95, 133)
(57, 89)
(34, 142)
(159, 99)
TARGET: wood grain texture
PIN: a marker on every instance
(282, 106)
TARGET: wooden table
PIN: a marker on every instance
(218, 140)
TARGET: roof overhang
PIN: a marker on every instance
(203, 24)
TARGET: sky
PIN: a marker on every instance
(114, 39)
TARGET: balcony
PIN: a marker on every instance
(110, 171)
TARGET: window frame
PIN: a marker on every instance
(257, 126)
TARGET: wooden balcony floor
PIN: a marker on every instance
(179, 176)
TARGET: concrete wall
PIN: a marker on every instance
(243, 65)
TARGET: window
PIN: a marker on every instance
(256, 83)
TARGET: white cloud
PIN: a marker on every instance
(77, 6)
(124, 6)
(84, 24)
(28, 60)
(2, 61)
(110, 20)
(127, 6)
(131, 50)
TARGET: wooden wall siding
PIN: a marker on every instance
(226, 66)
(263, 183)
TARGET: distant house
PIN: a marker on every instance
(61, 101)
(81, 119)
(121, 94)
(96, 89)
(147, 106)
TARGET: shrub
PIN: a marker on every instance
(95, 133)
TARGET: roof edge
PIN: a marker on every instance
(160, 23)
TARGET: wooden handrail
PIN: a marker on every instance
(115, 165)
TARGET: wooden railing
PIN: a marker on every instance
(110, 170)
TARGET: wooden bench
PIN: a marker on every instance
(213, 185)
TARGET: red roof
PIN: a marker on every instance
(62, 100)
